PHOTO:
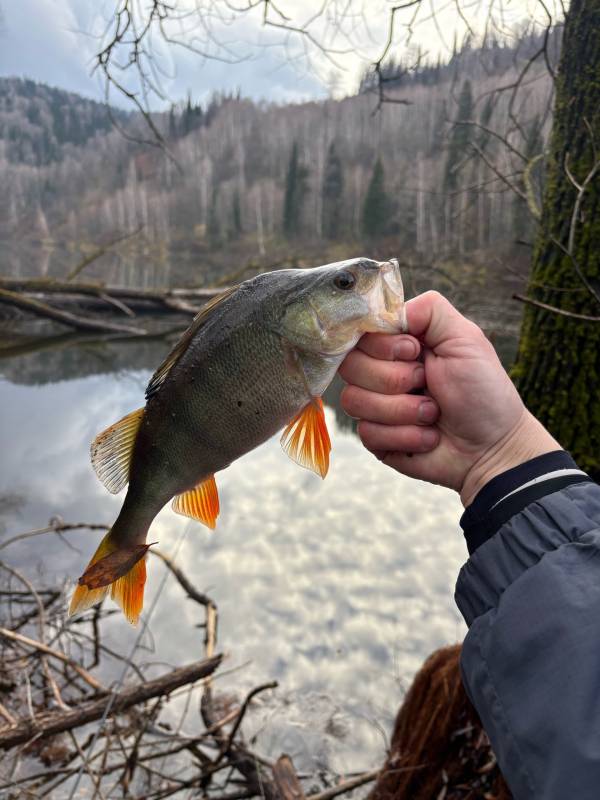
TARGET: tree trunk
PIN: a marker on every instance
(558, 363)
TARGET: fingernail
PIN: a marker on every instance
(405, 350)
(429, 437)
(427, 411)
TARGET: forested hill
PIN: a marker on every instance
(38, 122)
(265, 182)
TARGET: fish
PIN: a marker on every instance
(255, 359)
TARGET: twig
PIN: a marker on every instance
(242, 712)
(57, 527)
(181, 578)
(554, 309)
(7, 715)
(53, 722)
(43, 648)
(100, 251)
(345, 786)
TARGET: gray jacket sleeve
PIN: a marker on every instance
(530, 594)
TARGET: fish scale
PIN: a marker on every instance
(254, 360)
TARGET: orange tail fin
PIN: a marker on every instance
(120, 569)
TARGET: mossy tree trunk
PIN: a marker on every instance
(558, 363)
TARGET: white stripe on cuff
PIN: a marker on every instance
(558, 473)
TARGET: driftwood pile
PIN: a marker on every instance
(52, 688)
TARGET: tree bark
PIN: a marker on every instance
(558, 368)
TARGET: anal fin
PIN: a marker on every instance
(200, 503)
(306, 439)
(111, 451)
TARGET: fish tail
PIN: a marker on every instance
(122, 570)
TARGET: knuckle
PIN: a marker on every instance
(346, 396)
(365, 435)
(352, 398)
(436, 297)
(402, 410)
(394, 379)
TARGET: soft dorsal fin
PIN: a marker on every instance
(157, 380)
(306, 439)
(201, 502)
(111, 451)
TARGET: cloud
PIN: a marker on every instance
(55, 41)
(40, 40)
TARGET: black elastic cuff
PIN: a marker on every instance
(491, 508)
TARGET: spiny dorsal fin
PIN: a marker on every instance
(157, 380)
(201, 502)
(306, 439)
(111, 451)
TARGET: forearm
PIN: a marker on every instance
(530, 593)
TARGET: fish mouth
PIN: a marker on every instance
(392, 312)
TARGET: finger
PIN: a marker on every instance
(387, 377)
(404, 409)
(434, 320)
(432, 466)
(397, 438)
(390, 347)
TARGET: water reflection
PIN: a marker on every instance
(336, 588)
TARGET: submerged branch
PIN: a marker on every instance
(53, 722)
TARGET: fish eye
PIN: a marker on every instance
(344, 280)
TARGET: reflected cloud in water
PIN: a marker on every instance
(336, 588)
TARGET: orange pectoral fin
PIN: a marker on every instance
(306, 438)
(200, 503)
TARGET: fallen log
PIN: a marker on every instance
(41, 309)
(53, 722)
(51, 286)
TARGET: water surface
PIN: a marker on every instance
(338, 589)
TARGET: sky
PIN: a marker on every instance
(55, 41)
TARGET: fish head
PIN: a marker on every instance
(335, 304)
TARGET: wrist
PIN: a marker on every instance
(526, 439)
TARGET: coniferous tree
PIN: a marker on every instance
(295, 192)
(236, 216)
(172, 123)
(333, 188)
(460, 137)
(377, 205)
(483, 136)
(213, 225)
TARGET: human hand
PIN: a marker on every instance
(470, 426)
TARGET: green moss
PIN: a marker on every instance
(558, 366)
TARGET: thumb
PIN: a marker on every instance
(433, 320)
